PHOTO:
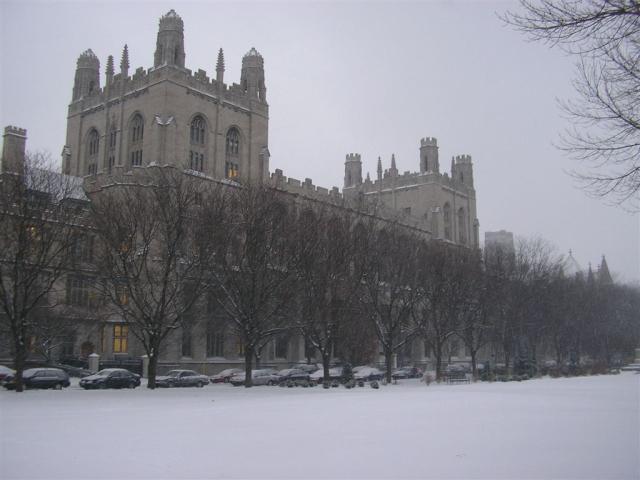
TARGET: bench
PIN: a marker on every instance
(457, 377)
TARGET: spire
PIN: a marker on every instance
(590, 278)
(124, 62)
(109, 70)
(604, 276)
(379, 168)
(368, 177)
(393, 171)
(220, 67)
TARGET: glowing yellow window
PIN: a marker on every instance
(120, 335)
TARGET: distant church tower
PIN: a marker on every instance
(170, 42)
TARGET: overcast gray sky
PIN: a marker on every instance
(348, 77)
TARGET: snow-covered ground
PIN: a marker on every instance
(585, 427)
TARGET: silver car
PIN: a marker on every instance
(265, 376)
(182, 378)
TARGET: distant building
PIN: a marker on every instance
(499, 241)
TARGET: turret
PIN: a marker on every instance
(87, 79)
(352, 170)
(252, 75)
(379, 169)
(220, 67)
(429, 155)
(13, 147)
(462, 170)
(170, 42)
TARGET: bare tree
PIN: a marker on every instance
(38, 217)
(254, 271)
(328, 278)
(153, 250)
(445, 296)
(604, 36)
(389, 284)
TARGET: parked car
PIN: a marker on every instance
(111, 378)
(6, 372)
(367, 374)
(293, 375)
(40, 378)
(258, 377)
(306, 367)
(407, 372)
(225, 375)
(72, 371)
(182, 378)
(335, 373)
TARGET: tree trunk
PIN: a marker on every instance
(326, 358)
(388, 357)
(474, 364)
(248, 367)
(19, 361)
(438, 354)
(152, 369)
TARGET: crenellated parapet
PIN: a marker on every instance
(305, 188)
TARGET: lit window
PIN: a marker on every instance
(120, 338)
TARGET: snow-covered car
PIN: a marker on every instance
(293, 375)
(225, 375)
(632, 367)
(5, 372)
(40, 378)
(182, 378)
(306, 367)
(367, 374)
(258, 377)
(335, 373)
(111, 378)
(406, 372)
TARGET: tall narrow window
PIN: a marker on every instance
(446, 217)
(232, 154)
(186, 341)
(197, 138)
(215, 341)
(111, 156)
(136, 136)
(462, 231)
(93, 146)
(120, 338)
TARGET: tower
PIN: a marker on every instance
(252, 75)
(462, 170)
(429, 155)
(170, 42)
(13, 147)
(352, 170)
(87, 79)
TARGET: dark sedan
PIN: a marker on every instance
(40, 378)
(182, 378)
(111, 378)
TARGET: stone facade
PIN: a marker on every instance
(444, 204)
(168, 114)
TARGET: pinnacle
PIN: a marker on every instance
(124, 62)
(220, 64)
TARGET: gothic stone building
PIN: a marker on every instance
(168, 115)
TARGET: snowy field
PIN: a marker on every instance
(549, 428)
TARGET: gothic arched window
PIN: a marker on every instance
(93, 146)
(462, 231)
(136, 135)
(232, 154)
(446, 217)
(197, 137)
